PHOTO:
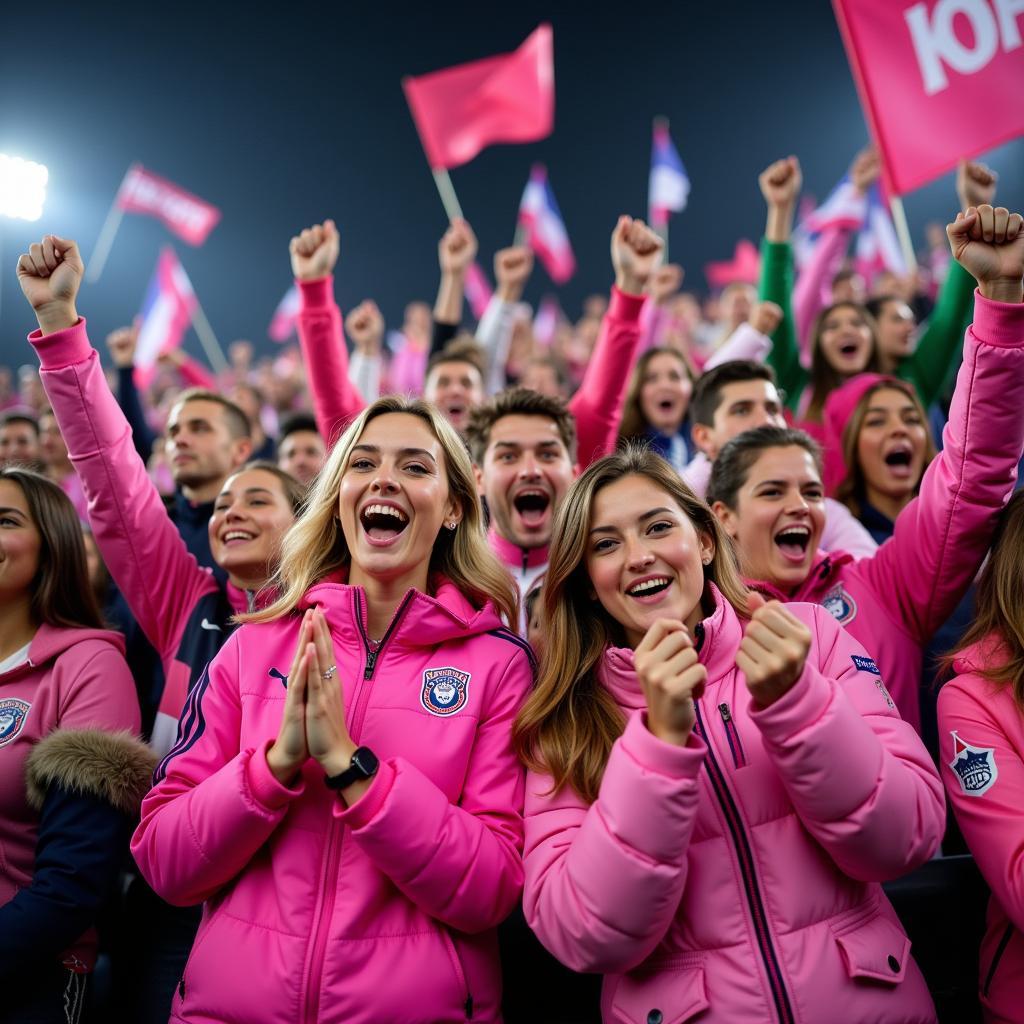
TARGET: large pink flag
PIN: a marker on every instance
(463, 109)
(188, 216)
(939, 80)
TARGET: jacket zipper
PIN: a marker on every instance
(460, 974)
(750, 883)
(328, 888)
(1000, 950)
(732, 734)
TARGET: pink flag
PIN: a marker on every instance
(545, 229)
(188, 216)
(939, 80)
(165, 316)
(463, 109)
(282, 324)
(478, 289)
(745, 266)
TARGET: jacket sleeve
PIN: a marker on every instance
(335, 399)
(746, 342)
(941, 537)
(494, 333)
(937, 349)
(460, 863)
(777, 286)
(132, 530)
(213, 805)
(131, 405)
(859, 777)
(602, 884)
(991, 822)
(597, 405)
(813, 280)
(844, 532)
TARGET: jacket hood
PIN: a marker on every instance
(422, 620)
(717, 638)
(52, 641)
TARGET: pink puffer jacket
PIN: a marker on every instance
(735, 879)
(383, 911)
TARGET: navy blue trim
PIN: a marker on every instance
(514, 638)
(191, 717)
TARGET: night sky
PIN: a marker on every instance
(288, 117)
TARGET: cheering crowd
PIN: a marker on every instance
(650, 647)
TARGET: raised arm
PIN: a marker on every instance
(136, 538)
(121, 346)
(780, 186)
(597, 405)
(939, 347)
(365, 327)
(512, 268)
(941, 537)
(455, 252)
(336, 401)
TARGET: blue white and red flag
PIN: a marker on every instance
(545, 230)
(878, 246)
(669, 185)
(282, 323)
(165, 316)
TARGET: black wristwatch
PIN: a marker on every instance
(364, 766)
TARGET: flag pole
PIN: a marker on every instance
(661, 230)
(446, 190)
(899, 219)
(208, 340)
(520, 236)
(104, 242)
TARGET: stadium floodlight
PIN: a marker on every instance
(22, 188)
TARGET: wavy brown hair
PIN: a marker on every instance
(825, 378)
(61, 594)
(854, 485)
(568, 725)
(998, 611)
(315, 546)
(634, 424)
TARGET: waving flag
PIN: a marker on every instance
(478, 289)
(545, 230)
(166, 314)
(282, 323)
(188, 216)
(668, 187)
(745, 266)
(844, 207)
(878, 246)
(545, 323)
(463, 109)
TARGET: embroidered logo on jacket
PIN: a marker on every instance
(838, 603)
(445, 690)
(975, 767)
(865, 664)
(13, 713)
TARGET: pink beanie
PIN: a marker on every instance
(839, 407)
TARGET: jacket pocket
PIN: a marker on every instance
(663, 991)
(460, 974)
(872, 947)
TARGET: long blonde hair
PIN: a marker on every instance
(568, 725)
(315, 546)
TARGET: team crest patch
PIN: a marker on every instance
(445, 690)
(13, 713)
(975, 767)
(838, 603)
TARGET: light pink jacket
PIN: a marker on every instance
(735, 879)
(321, 914)
(981, 747)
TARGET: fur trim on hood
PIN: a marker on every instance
(112, 766)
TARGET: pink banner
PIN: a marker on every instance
(939, 80)
(188, 216)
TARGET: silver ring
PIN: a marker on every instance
(329, 674)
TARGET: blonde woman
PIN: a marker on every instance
(344, 793)
(717, 783)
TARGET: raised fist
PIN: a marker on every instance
(636, 252)
(121, 345)
(865, 169)
(780, 182)
(365, 326)
(315, 252)
(457, 248)
(765, 317)
(665, 282)
(975, 184)
(773, 650)
(512, 269)
(671, 677)
(989, 244)
(50, 274)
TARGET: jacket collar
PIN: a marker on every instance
(52, 641)
(244, 601)
(513, 555)
(191, 512)
(823, 569)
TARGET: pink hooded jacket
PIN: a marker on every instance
(735, 879)
(321, 914)
(981, 742)
(893, 601)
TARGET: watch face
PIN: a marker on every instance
(366, 761)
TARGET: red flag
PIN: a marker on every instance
(188, 216)
(511, 98)
(939, 81)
